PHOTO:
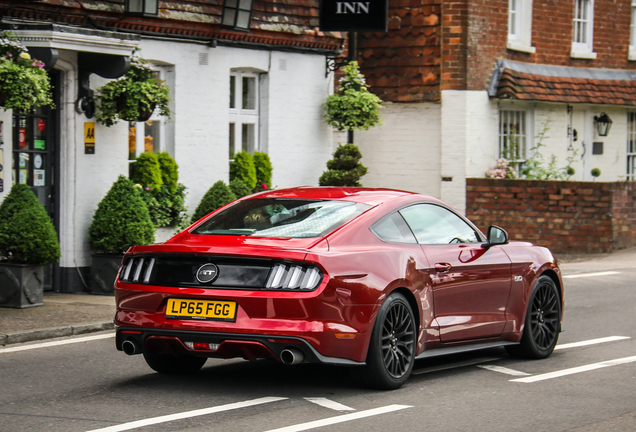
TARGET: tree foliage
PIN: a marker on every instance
(353, 107)
(239, 188)
(121, 220)
(217, 196)
(242, 168)
(345, 168)
(263, 170)
(27, 235)
(146, 171)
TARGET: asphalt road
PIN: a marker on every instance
(88, 385)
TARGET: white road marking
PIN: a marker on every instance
(57, 343)
(584, 275)
(341, 419)
(591, 342)
(575, 370)
(324, 402)
(454, 365)
(188, 414)
(503, 370)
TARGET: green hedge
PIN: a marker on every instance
(121, 220)
(217, 196)
(242, 168)
(27, 235)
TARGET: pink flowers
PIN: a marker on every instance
(501, 170)
(264, 186)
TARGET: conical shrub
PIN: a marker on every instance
(217, 196)
(121, 220)
(345, 168)
(27, 235)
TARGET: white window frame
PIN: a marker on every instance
(520, 26)
(524, 118)
(632, 34)
(166, 126)
(631, 145)
(240, 116)
(583, 30)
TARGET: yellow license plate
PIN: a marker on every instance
(201, 309)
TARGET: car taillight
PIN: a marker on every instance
(293, 277)
(137, 269)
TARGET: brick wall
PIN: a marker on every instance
(567, 217)
(475, 34)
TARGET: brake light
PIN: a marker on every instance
(293, 277)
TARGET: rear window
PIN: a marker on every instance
(283, 218)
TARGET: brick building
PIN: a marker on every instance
(270, 61)
(463, 78)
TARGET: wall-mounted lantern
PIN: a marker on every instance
(603, 124)
(142, 7)
(237, 14)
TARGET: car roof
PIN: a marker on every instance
(367, 196)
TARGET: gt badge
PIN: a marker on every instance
(518, 278)
(207, 273)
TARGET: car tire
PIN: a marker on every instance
(170, 364)
(392, 347)
(542, 324)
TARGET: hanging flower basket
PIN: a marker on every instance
(24, 84)
(133, 97)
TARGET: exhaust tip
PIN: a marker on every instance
(292, 356)
(130, 347)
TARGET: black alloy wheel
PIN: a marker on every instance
(392, 349)
(542, 325)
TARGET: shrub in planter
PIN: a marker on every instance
(28, 242)
(239, 188)
(217, 196)
(147, 171)
(120, 221)
(169, 171)
(345, 168)
(263, 171)
(242, 168)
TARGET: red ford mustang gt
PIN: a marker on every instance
(374, 278)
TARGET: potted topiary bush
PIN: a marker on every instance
(239, 188)
(133, 97)
(217, 196)
(345, 168)
(120, 221)
(354, 107)
(242, 168)
(264, 170)
(28, 242)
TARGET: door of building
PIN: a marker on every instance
(36, 163)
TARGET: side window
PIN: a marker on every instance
(393, 229)
(433, 224)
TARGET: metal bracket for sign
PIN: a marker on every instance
(335, 63)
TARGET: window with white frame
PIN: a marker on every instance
(244, 112)
(513, 136)
(157, 133)
(520, 25)
(632, 33)
(583, 29)
(631, 146)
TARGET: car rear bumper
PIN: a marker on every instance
(223, 345)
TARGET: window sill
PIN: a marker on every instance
(583, 55)
(516, 46)
(632, 54)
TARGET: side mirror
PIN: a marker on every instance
(496, 236)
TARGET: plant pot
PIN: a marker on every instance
(21, 285)
(104, 272)
(144, 113)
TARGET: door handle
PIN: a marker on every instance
(442, 267)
